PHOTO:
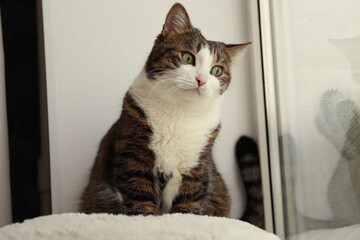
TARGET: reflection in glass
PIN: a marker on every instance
(317, 63)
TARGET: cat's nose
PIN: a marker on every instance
(201, 79)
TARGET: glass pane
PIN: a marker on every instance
(317, 63)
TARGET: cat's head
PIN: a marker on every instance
(183, 64)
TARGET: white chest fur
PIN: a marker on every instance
(179, 138)
(180, 133)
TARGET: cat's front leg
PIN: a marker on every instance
(138, 196)
(134, 180)
(191, 194)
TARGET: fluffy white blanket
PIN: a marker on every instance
(104, 226)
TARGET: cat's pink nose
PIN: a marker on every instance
(201, 79)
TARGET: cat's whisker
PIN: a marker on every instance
(168, 81)
(159, 83)
(168, 71)
(171, 74)
(171, 92)
(159, 69)
(208, 93)
(174, 73)
(168, 93)
(176, 77)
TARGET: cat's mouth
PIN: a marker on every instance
(195, 90)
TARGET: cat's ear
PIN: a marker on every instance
(177, 20)
(237, 51)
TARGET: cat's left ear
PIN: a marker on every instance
(177, 20)
(237, 51)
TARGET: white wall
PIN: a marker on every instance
(94, 49)
(5, 197)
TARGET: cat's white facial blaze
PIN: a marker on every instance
(204, 60)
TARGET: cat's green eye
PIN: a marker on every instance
(188, 58)
(216, 71)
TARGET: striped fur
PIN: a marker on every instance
(248, 159)
(157, 157)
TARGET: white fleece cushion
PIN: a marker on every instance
(105, 226)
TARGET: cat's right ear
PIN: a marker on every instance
(177, 21)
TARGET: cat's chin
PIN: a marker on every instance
(195, 91)
(194, 94)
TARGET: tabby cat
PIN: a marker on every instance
(157, 157)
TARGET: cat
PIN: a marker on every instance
(248, 160)
(157, 157)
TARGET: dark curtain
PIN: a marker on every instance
(19, 27)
